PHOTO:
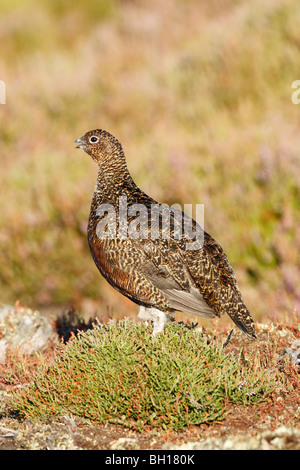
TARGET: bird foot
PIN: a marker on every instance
(158, 318)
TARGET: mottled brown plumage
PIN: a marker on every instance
(159, 274)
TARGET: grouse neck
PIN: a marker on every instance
(113, 181)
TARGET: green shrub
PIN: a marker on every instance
(118, 373)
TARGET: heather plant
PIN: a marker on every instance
(118, 373)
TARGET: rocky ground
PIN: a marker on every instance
(274, 424)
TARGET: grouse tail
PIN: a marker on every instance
(243, 320)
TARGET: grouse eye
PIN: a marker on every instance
(94, 139)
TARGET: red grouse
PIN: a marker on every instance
(158, 268)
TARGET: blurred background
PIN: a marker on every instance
(199, 94)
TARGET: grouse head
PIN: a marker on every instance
(102, 146)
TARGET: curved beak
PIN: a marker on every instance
(81, 143)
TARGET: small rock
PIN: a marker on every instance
(294, 352)
(282, 438)
(3, 349)
(25, 329)
(124, 443)
(44, 437)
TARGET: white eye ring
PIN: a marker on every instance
(93, 139)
